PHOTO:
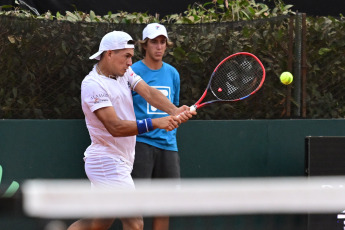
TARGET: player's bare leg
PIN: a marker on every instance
(160, 223)
(92, 224)
(135, 223)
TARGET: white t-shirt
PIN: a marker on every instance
(98, 91)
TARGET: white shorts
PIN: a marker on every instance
(106, 172)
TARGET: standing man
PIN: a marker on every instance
(106, 95)
(156, 152)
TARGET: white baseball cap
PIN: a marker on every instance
(115, 40)
(153, 30)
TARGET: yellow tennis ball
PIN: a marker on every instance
(286, 78)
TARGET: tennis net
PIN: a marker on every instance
(239, 203)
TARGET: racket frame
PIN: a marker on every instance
(197, 105)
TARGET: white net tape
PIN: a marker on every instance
(73, 198)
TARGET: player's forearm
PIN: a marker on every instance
(155, 98)
(161, 102)
(124, 128)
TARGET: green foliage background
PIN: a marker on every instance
(44, 58)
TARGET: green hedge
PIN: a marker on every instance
(44, 58)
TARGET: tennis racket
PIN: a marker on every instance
(235, 78)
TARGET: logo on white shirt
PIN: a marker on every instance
(98, 98)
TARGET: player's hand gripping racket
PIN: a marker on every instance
(235, 78)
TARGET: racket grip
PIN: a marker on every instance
(192, 108)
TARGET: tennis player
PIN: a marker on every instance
(156, 151)
(106, 95)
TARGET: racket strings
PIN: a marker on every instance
(237, 77)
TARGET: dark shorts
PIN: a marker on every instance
(153, 162)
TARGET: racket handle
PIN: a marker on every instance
(192, 108)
